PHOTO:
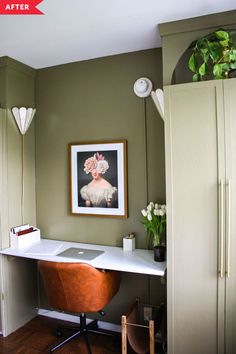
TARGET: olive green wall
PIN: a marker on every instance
(19, 90)
(94, 101)
(90, 101)
(18, 276)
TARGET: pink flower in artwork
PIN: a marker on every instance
(96, 162)
(90, 164)
(99, 157)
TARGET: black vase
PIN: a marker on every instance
(159, 253)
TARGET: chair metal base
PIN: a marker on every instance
(82, 330)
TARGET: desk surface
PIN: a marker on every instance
(114, 258)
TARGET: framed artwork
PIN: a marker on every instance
(98, 178)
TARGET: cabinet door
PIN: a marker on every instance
(230, 124)
(194, 131)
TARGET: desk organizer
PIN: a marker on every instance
(129, 243)
(25, 241)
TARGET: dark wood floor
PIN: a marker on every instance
(37, 337)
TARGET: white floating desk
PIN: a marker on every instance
(114, 258)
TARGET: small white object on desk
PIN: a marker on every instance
(129, 243)
(23, 239)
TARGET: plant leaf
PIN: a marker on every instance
(196, 77)
(226, 56)
(225, 67)
(206, 57)
(232, 55)
(224, 43)
(217, 71)
(202, 69)
(192, 63)
(222, 35)
(233, 65)
(202, 43)
(215, 51)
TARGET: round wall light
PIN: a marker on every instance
(143, 87)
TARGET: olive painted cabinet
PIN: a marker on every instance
(200, 142)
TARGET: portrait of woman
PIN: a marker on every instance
(98, 178)
(99, 192)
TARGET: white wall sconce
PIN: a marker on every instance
(23, 117)
(158, 99)
(143, 88)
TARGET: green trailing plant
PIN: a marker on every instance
(213, 56)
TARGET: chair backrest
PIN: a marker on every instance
(78, 287)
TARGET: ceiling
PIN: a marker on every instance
(74, 30)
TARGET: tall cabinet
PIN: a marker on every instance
(200, 141)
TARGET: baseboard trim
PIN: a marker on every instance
(72, 318)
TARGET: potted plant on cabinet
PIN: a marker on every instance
(154, 222)
(213, 55)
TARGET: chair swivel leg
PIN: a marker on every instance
(87, 343)
(67, 340)
(92, 325)
(81, 332)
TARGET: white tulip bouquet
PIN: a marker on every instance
(154, 222)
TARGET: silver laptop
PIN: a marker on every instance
(80, 253)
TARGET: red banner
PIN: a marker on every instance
(20, 7)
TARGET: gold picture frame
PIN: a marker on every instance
(98, 178)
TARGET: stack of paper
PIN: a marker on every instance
(44, 250)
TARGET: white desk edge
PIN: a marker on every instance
(114, 258)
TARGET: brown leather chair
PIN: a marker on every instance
(79, 288)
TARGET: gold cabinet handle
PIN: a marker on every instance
(221, 230)
(228, 229)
